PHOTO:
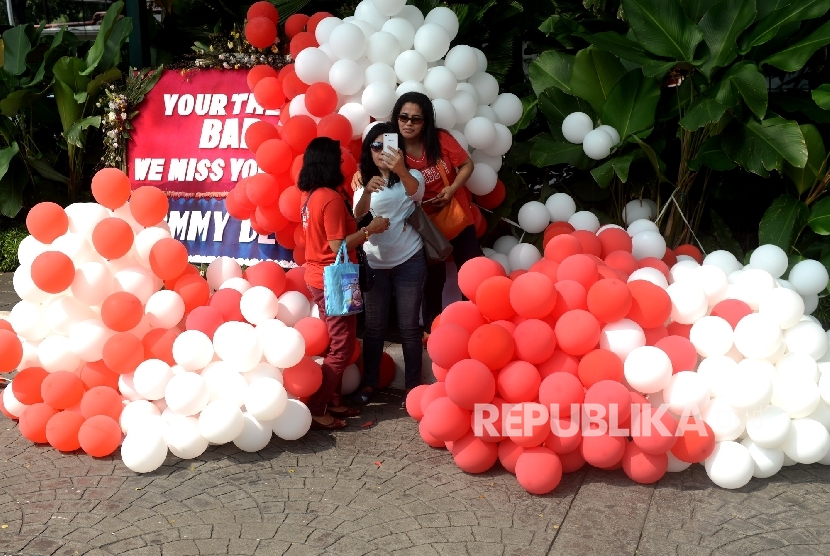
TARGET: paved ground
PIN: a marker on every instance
(380, 490)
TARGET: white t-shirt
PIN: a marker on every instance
(401, 241)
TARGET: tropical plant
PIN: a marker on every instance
(686, 86)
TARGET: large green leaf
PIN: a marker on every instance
(745, 79)
(69, 71)
(6, 156)
(618, 44)
(619, 164)
(551, 69)
(803, 178)
(61, 42)
(696, 8)
(656, 163)
(96, 52)
(819, 219)
(12, 104)
(712, 156)
(631, 105)
(100, 80)
(68, 108)
(17, 46)
(556, 106)
(595, 72)
(547, 151)
(766, 7)
(75, 134)
(804, 104)
(46, 170)
(793, 57)
(11, 182)
(529, 109)
(760, 147)
(783, 221)
(703, 111)
(821, 96)
(769, 26)
(112, 48)
(663, 28)
(721, 26)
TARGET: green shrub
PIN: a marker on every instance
(9, 242)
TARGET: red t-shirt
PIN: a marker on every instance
(325, 218)
(453, 156)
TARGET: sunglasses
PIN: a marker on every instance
(377, 146)
(417, 120)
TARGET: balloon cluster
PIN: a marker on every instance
(597, 143)
(348, 73)
(726, 357)
(116, 333)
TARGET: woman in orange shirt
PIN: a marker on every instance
(327, 223)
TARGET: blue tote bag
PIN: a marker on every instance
(341, 286)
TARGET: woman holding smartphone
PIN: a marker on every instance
(390, 190)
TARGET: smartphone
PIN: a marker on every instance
(390, 142)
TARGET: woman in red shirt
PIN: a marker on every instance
(327, 223)
(446, 167)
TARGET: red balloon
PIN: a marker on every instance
(413, 402)
(62, 430)
(291, 206)
(446, 421)
(669, 258)
(62, 389)
(470, 382)
(6, 325)
(598, 365)
(97, 373)
(559, 362)
(292, 86)
(447, 345)
(614, 397)
(261, 32)
(264, 9)
(440, 373)
(494, 199)
(656, 264)
(269, 94)
(263, 189)
(589, 241)
(681, 352)
(614, 239)
(296, 167)
(194, 291)
(428, 439)
(602, 450)
(26, 385)
(295, 24)
(387, 371)
(53, 272)
(572, 461)
(111, 187)
(315, 19)
(168, 257)
(654, 335)
(535, 341)
(273, 156)
(121, 311)
(315, 333)
(298, 132)
(335, 126)
(204, 319)
(258, 73)
(530, 424)
(149, 205)
(99, 436)
(47, 222)
(518, 382)
(474, 455)
(299, 239)
(609, 300)
(285, 237)
(572, 296)
(432, 393)
(533, 295)
(348, 167)
(492, 345)
(509, 453)
(258, 133)
(268, 274)
(556, 229)
(158, 344)
(677, 329)
(464, 314)
(234, 208)
(546, 267)
(650, 304)
(561, 247)
(491, 415)
(696, 443)
(565, 435)
(33, 422)
(11, 351)
(732, 311)
(270, 217)
(303, 379)
(642, 467)
(295, 281)
(538, 470)
(622, 261)
(493, 296)
(102, 400)
(653, 431)
(559, 392)
(321, 99)
(580, 268)
(689, 251)
(123, 353)
(577, 332)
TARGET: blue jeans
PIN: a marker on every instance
(407, 281)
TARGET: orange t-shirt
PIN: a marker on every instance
(325, 218)
(453, 156)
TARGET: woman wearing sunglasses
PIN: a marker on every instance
(390, 190)
(446, 167)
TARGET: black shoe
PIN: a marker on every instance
(363, 397)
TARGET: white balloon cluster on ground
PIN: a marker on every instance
(763, 386)
(387, 49)
(597, 143)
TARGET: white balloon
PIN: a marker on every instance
(634, 210)
(711, 336)
(730, 465)
(648, 244)
(92, 284)
(83, 217)
(597, 144)
(367, 11)
(237, 344)
(55, 354)
(647, 369)
(622, 337)
(221, 421)
(12, 404)
(347, 42)
(808, 442)
(25, 287)
(798, 365)
(561, 207)
(444, 114)
(523, 256)
(64, 312)
(410, 87)
(440, 82)
(220, 270)
(183, 437)
(615, 136)
(402, 30)
(293, 422)
(796, 395)
(484, 111)
(265, 399)
(808, 277)
(357, 115)
(749, 391)
(806, 337)
(151, 377)
(144, 242)
(462, 140)
(164, 309)
(410, 65)
(432, 41)
(413, 15)
(689, 303)
(726, 422)
(711, 280)
(293, 307)
(87, 339)
(324, 29)
(383, 47)
(285, 349)
(136, 280)
(768, 461)
(718, 372)
(503, 260)
(480, 132)
(462, 61)
(771, 258)
(29, 249)
(676, 465)
(584, 220)
(263, 370)
(258, 304)
(187, 393)
(724, 260)
(503, 142)
(486, 86)
(193, 350)
(483, 181)
(504, 244)
(382, 73)
(576, 126)
(769, 428)
(351, 380)
(481, 157)
(757, 336)
(810, 304)
(444, 17)
(312, 65)
(255, 434)
(533, 216)
(136, 413)
(225, 383)
(641, 225)
(687, 392)
(144, 450)
(378, 99)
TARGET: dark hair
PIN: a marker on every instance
(429, 133)
(321, 165)
(368, 168)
